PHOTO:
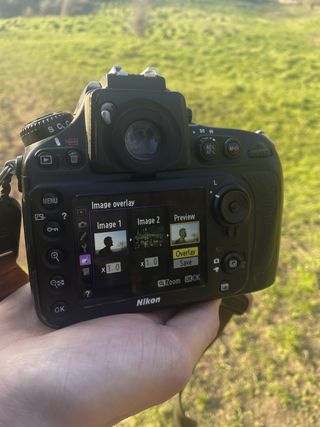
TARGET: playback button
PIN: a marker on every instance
(45, 159)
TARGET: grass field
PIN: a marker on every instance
(239, 65)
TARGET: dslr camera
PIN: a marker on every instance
(130, 206)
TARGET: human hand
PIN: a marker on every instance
(98, 372)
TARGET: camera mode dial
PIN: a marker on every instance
(45, 126)
(232, 206)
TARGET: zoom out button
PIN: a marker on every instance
(57, 283)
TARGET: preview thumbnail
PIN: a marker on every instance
(185, 233)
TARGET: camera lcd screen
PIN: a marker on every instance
(140, 243)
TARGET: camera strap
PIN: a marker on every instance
(238, 305)
(11, 275)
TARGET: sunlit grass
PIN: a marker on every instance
(239, 66)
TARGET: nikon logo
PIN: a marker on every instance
(148, 301)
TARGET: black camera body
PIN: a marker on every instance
(130, 206)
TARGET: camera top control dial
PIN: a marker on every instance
(232, 206)
(45, 126)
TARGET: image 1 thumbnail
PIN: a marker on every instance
(110, 243)
(185, 233)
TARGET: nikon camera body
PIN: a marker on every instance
(129, 206)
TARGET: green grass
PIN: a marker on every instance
(239, 65)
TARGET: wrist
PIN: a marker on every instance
(13, 411)
(28, 400)
(19, 404)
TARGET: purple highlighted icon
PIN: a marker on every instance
(85, 259)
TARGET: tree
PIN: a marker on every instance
(74, 7)
(10, 8)
(140, 16)
(50, 7)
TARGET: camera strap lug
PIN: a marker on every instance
(11, 275)
(6, 174)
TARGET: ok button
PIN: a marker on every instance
(52, 229)
(60, 308)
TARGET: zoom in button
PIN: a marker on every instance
(55, 256)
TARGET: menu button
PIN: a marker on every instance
(50, 200)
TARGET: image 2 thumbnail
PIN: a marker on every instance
(149, 237)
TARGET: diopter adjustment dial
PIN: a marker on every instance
(232, 206)
(45, 126)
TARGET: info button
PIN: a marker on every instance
(224, 286)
